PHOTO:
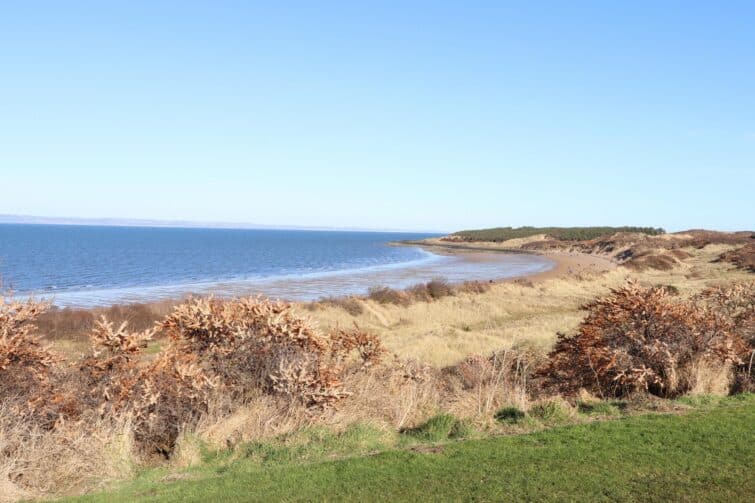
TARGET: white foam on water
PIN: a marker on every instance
(314, 285)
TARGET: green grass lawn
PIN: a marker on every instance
(707, 454)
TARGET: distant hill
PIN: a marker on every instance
(499, 234)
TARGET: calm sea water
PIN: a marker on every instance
(90, 265)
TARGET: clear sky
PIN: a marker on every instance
(412, 115)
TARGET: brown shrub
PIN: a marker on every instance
(169, 395)
(349, 304)
(501, 379)
(473, 287)
(419, 293)
(69, 323)
(656, 261)
(366, 345)
(435, 289)
(161, 396)
(743, 258)
(138, 316)
(736, 302)
(700, 238)
(641, 339)
(216, 348)
(438, 288)
(22, 357)
(66, 323)
(110, 373)
(258, 344)
(385, 295)
(26, 367)
(624, 245)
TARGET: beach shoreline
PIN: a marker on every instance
(452, 265)
(565, 264)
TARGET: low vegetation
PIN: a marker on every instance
(743, 257)
(429, 291)
(245, 370)
(76, 324)
(702, 455)
(243, 392)
(236, 349)
(422, 292)
(499, 234)
(638, 248)
(643, 339)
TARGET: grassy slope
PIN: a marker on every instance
(564, 233)
(445, 331)
(707, 454)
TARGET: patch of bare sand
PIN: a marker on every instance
(572, 264)
(566, 264)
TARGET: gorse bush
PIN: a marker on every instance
(160, 396)
(256, 344)
(30, 373)
(737, 304)
(236, 348)
(642, 339)
(26, 367)
(24, 363)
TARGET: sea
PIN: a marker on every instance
(84, 266)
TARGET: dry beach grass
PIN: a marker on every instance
(520, 312)
(220, 374)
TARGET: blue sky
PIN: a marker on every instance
(411, 115)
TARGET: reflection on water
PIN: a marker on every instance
(454, 268)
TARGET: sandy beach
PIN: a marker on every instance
(450, 264)
(571, 264)
(565, 264)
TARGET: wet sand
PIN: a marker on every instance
(565, 264)
(454, 262)
(453, 266)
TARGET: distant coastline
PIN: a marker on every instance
(457, 247)
(103, 265)
(188, 224)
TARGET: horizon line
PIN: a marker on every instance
(187, 224)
